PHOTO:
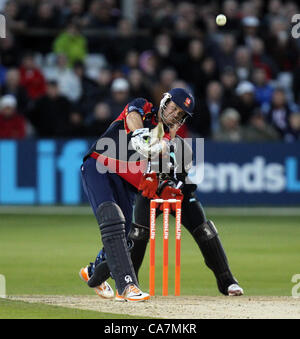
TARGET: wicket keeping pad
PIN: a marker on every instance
(206, 236)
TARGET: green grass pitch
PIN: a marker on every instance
(42, 254)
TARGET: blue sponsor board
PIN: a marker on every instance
(250, 174)
(42, 172)
(47, 172)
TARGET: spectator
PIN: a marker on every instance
(104, 82)
(50, 114)
(208, 73)
(13, 17)
(68, 82)
(289, 9)
(182, 33)
(149, 65)
(76, 127)
(263, 90)
(119, 97)
(190, 68)
(185, 22)
(31, 78)
(12, 86)
(230, 129)
(248, 9)
(89, 88)
(229, 82)
(279, 112)
(294, 131)
(224, 53)
(45, 16)
(71, 43)
(250, 31)
(12, 125)
(259, 130)
(75, 10)
(155, 15)
(102, 118)
(124, 42)
(261, 59)
(274, 10)
(163, 47)
(207, 122)
(245, 104)
(243, 63)
(138, 88)
(9, 51)
(231, 10)
(280, 47)
(27, 9)
(131, 62)
(167, 77)
(101, 15)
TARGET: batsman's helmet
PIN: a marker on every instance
(181, 98)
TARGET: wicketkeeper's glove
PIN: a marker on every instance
(168, 190)
(149, 185)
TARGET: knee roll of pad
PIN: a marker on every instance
(206, 231)
(110, 219)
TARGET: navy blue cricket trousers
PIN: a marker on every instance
(102, 187)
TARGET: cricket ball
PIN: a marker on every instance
(221, 20)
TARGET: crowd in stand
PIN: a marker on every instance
(68, 67)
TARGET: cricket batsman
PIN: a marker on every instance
(111, 185)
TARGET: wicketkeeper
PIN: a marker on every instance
(194, 220)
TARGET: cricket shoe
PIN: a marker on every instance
(132, 294)
(235, 290)
(104, 290)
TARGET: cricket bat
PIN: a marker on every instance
(157, 133)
